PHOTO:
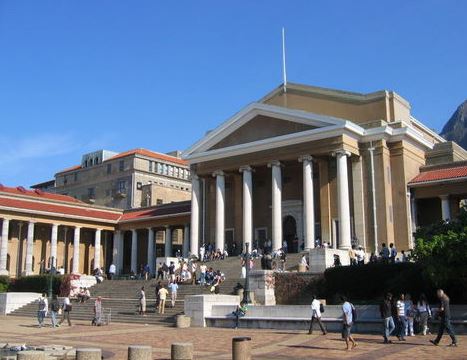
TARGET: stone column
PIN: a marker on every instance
(194, 228)
(186, 241)
(29, 248)
(76, 250)
(53, 245)
(116, 248)
(276, 205)
(247, 205)
(151, 259)
(343, 201)
(4, 246)
(97, 249)
(220, 209)
(445, 208)
(120, 252)
(308, 201)
(134, 251)
(168, 242)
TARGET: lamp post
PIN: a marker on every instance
(246, 291)
(51, 277)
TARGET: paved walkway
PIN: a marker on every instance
(213, 344)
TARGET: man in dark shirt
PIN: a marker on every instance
(444, 314)
(386, 315)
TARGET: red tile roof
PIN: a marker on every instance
(76, 167)
(60, 209)
(150, 154)
(440, 175)
(38, 194)
(159, 210)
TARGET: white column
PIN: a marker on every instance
(343, 202)
(168, 242)
(53, 245)
(445, 208)
(308, 201)
(186, 241)
(276, 204)
(115, 248)
(76, 250)
(194, 228)
(29, 248)
(151, 258)
(97, 249)
(4, 246)
(220, 209)
(121, 239)
(134, 251)
(247, 205)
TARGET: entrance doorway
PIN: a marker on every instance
(289, 229)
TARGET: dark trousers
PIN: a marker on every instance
(66, 315)
(445, 324)
(313, 318)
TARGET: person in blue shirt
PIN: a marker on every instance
(347, 318)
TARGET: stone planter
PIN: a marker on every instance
(183, 321)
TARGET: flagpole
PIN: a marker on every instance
(284, 70)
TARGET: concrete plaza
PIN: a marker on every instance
(214, 343)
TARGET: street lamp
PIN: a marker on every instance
(246, 291)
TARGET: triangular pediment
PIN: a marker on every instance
(258, 123)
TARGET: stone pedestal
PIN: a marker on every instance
(198, 307)
(139, 352)
(181, 351)
(31, 355)
(88, 354)
(322, 258)
(183, 321)
(262, 285)
(241, 348)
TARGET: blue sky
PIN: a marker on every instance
(77, 76)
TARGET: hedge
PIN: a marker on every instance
(4, 283)
(35, 283)
(368, 283)
(297, 288)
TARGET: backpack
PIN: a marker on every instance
(55, 306)
(354, 313)
(321, 308)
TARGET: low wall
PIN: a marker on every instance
(198, 307)
(11, 301)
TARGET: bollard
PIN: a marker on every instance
(139, 352)
(183, 321)
(181, 351)
(88, 354)
(31, 355)
(241, 348)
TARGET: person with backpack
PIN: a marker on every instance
(42, 309)
(386, 315)
(316, 310)
(349, 316)
(54, 310)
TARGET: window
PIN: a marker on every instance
(121, 165)
(76, 176)
(91, 193)
(109, 169)
(159, 202)
(176, 172)
(107, 192)
(165, 169)
(139, 185)
(121, 186)
(159, 168)
(65, 180)
(150, 166)
(171, 170)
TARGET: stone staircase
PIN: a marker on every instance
(120, 297)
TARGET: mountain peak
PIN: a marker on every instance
(456, 127)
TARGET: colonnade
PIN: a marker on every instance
(343, 203)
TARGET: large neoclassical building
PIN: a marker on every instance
(306, 165)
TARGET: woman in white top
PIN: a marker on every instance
(142, 302)
(423, 313)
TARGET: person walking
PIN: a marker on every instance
(142, 302)
(112, 271)
(162, 296)
(444, 314)
(173, 286)
(316, 308)
(401, 317)
(97, 321)
(386, 315)
(423, 313)
(66, 310)
(348, 318)
(43, 307)
(54, 310)
(392, 253)
(410, 315)
(160, 272)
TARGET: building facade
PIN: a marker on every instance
(131, 179)
(307, 165)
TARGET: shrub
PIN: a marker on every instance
(368, 283)
(36, 283)
(297, 288)
(4, 283)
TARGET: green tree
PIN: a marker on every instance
(441, 249)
